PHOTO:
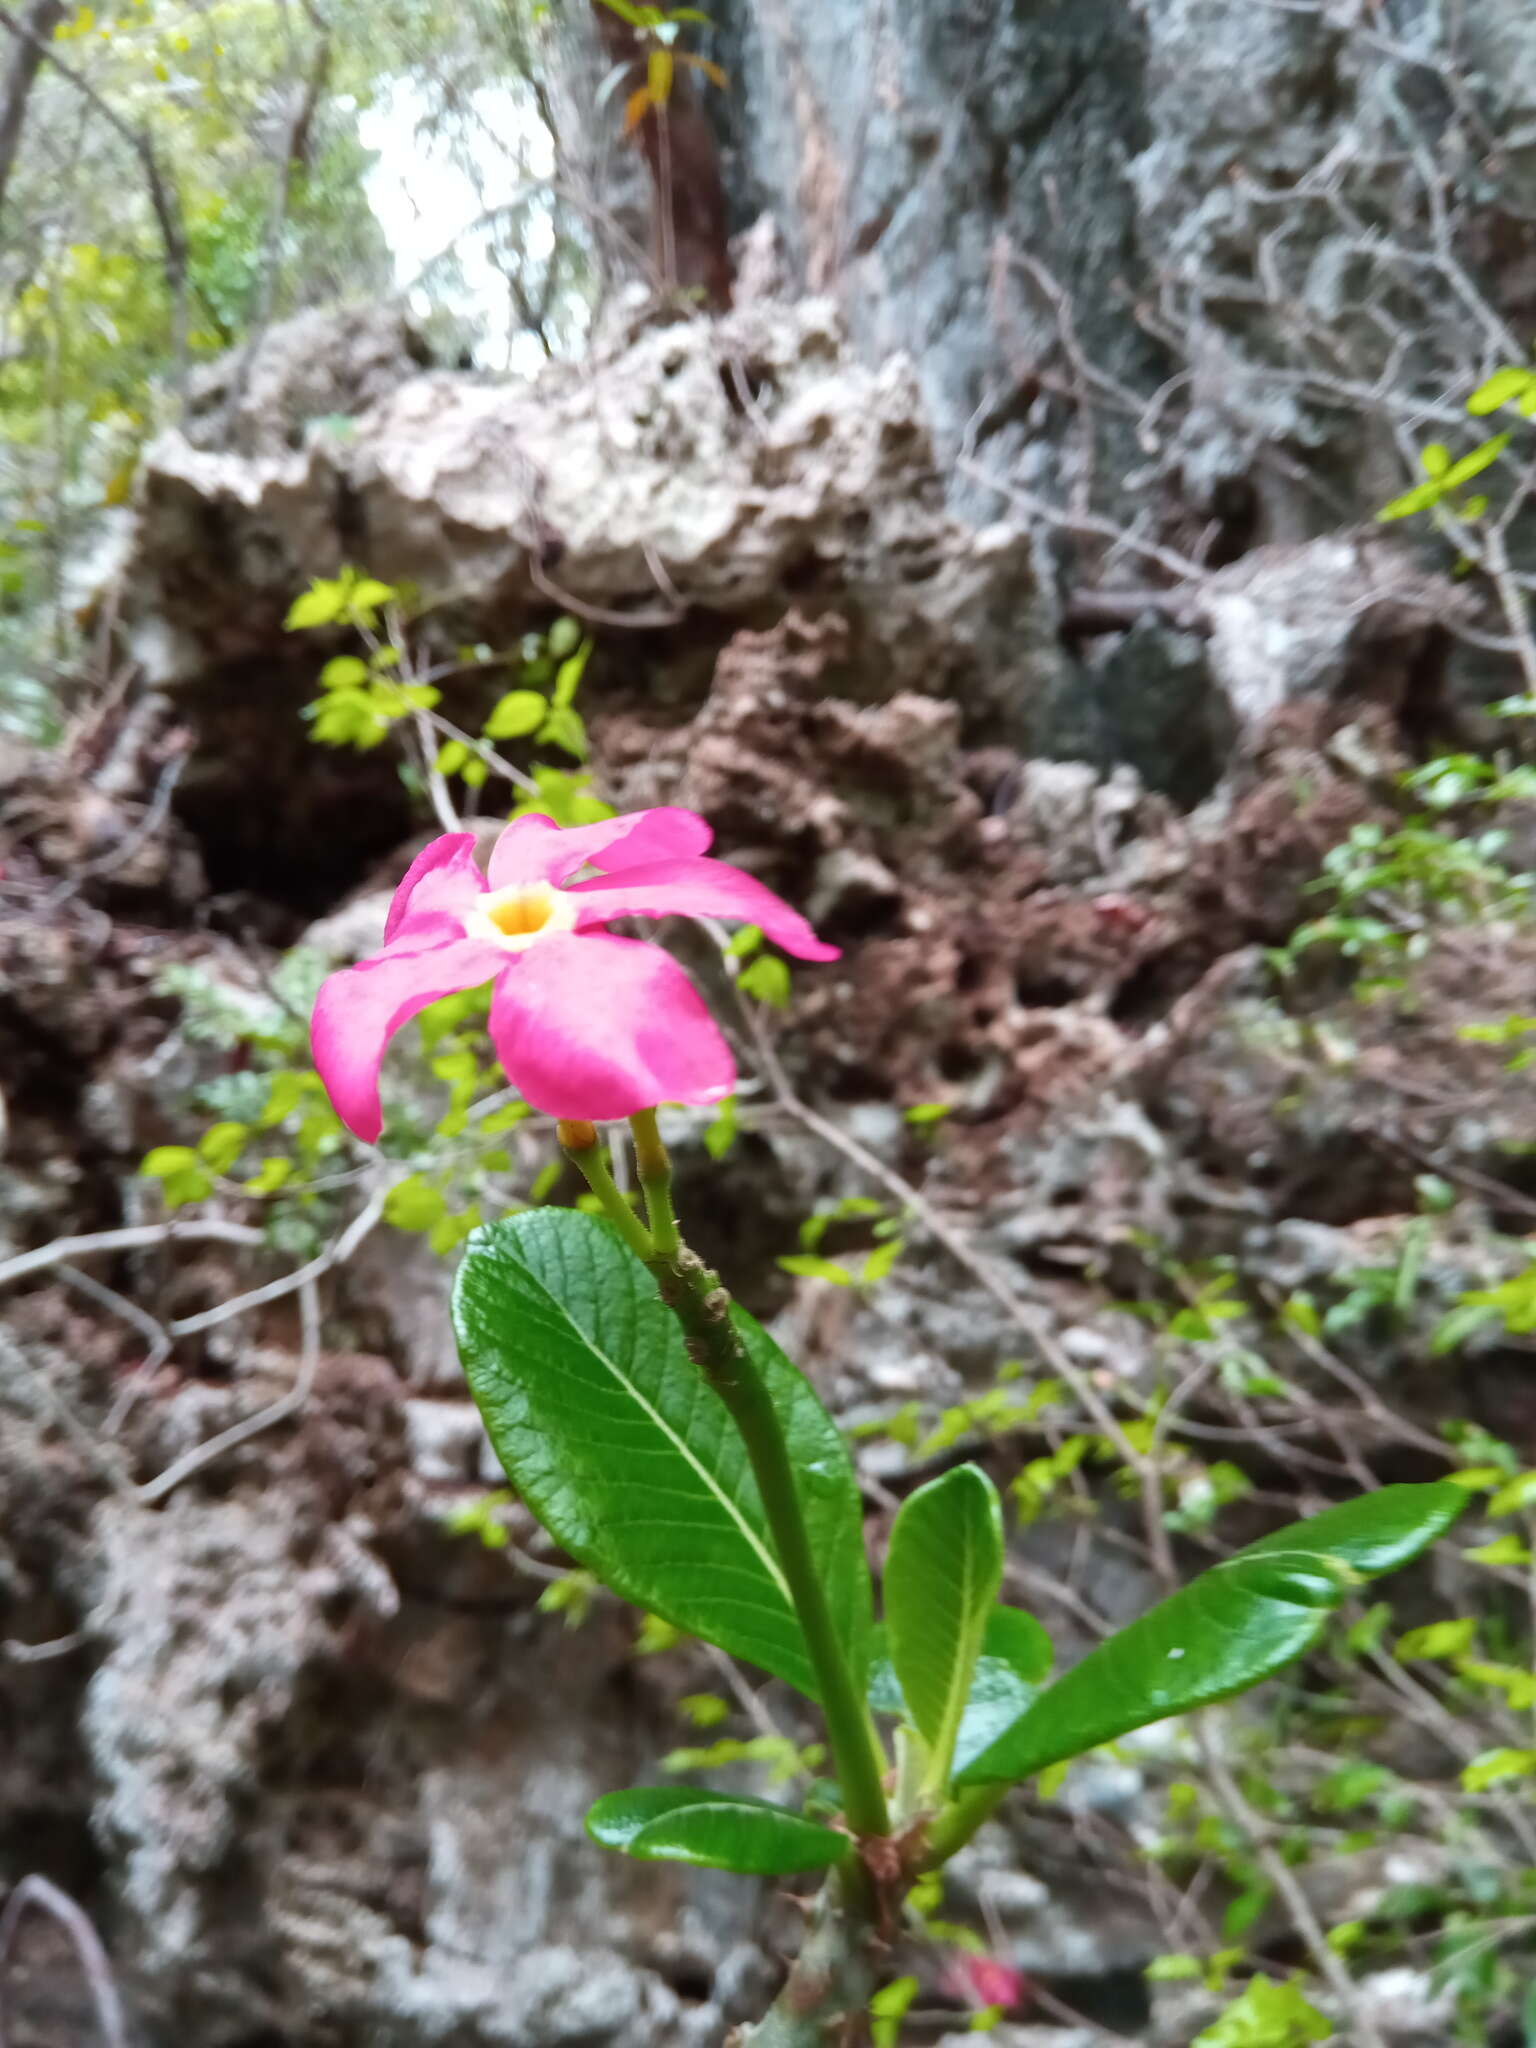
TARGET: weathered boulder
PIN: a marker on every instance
(694, 480)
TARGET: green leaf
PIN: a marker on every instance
(1015, 1658)
(563, 637)
(808, 1266)
(1440, 1639)
(1494, 1766)
(1175, 1969)
(221, 1145)
(1499, 389)
(927, 1112)
(1234, 1625)
(520, 712)
(1434, 458)
(942, 1575)
(1474, 464)
(888, 2008)
(272, 1175)
(368, 593)
(568, 675)
(1520, 1492)
(1419, 499)
(345, 672)
(413, 1204)
(716, 1830)
(320, 605)
(285, 1092)
(1244, 1910)
(767, 981)
(721, 1134)
(1502, 1550)
(564, 728)
(631, 1462)
(180, 1173)
(704, 1709)
(165, 1160)
(878, 1264)
(1267, 2015)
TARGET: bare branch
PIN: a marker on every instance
(37, 1893)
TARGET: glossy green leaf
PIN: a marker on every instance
(718, 1830)
(609, 1433)
(1015, 1658)
(942, 1575)
(1234, 1625)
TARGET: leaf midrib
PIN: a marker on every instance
(967, 1645)
(711, 1484)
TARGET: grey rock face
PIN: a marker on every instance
(320, 367)
(1201, 187)
(341, 1809)
(1347, 618)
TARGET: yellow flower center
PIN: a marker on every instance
(521, 917)
(517, 918)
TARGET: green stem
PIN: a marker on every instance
(702, 1306)
(580, 1144)
(655, 1172)
(960, 1820)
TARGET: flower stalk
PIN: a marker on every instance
(579, 1142)
(654, 1168)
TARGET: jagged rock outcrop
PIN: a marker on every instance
(690, 482)
(1063, 210)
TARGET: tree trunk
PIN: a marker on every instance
(40, 21)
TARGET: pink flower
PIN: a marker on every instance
(983, 1981)
(588, 1026)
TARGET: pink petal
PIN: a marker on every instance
(984, 1981)
(536, 849)
(700, 888)
(597, 1028)
(439, 885)
(360, 1008)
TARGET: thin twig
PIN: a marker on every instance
(278, 1411)
(1282, 1879)
(335, 1254)
(134, 1237)
(38, 1893)
(595, 614)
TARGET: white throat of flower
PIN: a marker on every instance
(516, 918)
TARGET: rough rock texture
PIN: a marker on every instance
(317, 1743)
(314, 1766)
(301, 377)
(692, 481)
(1203, 187)
(695, 483)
